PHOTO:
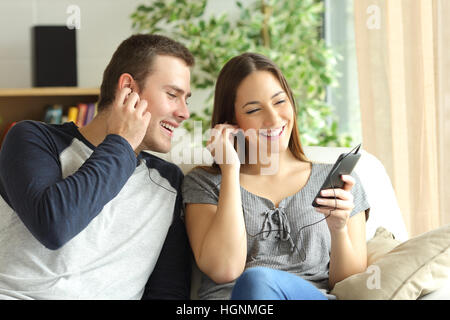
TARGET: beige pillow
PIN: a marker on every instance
(408, 271)
(382, 242)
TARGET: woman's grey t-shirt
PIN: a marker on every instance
(277, 237)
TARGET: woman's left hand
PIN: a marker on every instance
(340, 208)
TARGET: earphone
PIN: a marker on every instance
(302, 257)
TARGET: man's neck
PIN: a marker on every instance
(95, 131)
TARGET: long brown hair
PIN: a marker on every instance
(231, 76)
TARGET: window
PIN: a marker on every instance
(340, 36)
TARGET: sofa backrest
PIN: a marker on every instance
(384, 209)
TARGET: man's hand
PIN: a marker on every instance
(129, 117)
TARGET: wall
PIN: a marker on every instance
(104, 25)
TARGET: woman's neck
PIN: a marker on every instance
(274, 164)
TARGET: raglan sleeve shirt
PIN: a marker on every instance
(171, 277)
(54, 209)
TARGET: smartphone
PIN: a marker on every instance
(344, 165)
(239, 144)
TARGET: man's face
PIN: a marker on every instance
(166, 90)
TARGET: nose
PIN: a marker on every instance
(182, 111)
(272, 117)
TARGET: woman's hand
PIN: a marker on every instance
(221, 147)
(340, 208)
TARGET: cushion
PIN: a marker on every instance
(382, 242)
(408, 271)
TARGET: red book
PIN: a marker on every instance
(82, 111)
(6, 131)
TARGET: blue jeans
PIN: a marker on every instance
(260, 283)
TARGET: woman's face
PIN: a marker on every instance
(263, 110)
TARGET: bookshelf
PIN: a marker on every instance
(31, 103)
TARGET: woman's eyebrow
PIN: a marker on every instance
(250, 102)
(257, 102)
(276, 94)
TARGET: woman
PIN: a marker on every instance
(256, 216)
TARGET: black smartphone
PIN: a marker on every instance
(239, 144)
(343, 166)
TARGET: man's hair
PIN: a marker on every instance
(135, 56)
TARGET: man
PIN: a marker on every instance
(84, 213)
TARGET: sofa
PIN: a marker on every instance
(384, 211)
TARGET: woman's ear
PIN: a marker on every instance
(233, 120)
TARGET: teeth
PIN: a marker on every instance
(272, 133)
(168, 126)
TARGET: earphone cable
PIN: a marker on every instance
(303, 258)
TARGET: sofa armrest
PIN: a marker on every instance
(384, 209)
(442, 293)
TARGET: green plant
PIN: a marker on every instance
(286, 31)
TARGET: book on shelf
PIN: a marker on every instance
(81, 114)
(72, 114)
(53, 114)
(9, 126)
(82, 111)
(90, 112)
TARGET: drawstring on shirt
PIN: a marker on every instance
(276, 220)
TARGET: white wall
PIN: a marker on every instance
(104, 25)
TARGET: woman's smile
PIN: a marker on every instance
(272, 134)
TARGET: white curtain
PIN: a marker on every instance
(403, 63)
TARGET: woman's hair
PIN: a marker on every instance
(231, 76)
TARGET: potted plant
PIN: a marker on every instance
(287, 31)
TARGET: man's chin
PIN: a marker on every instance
(160, 148)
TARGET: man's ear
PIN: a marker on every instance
(126, 81)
